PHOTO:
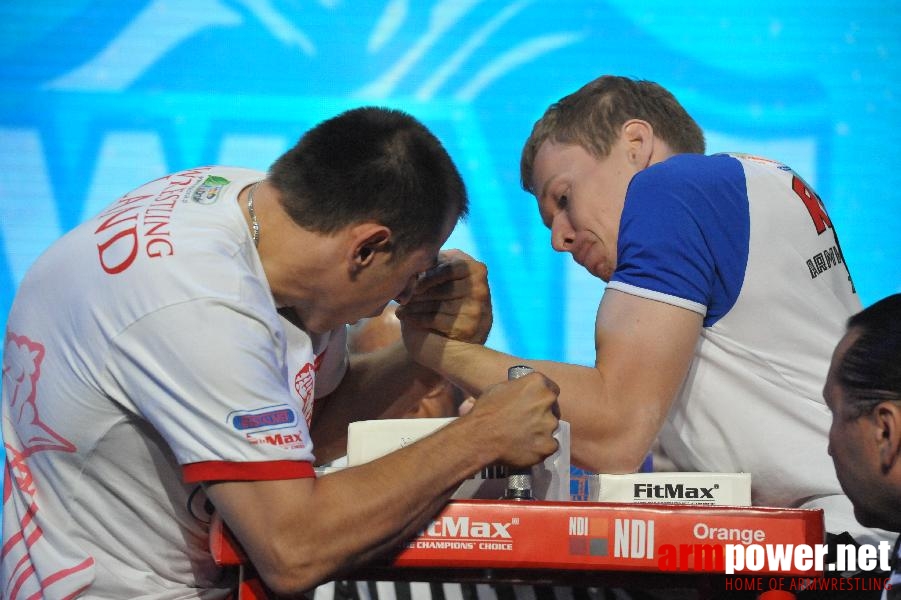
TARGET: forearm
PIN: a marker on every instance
(471, 367)
(606, 435)
(381, 384)
(348, 517)
(300, 532)
(394, 498)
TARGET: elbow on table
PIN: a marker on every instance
(608, 457)
(293, 571)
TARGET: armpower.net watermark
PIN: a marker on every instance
(742, 561)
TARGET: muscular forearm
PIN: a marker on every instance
(607, 436)
(349, 517)
(300, 532)
(394, 498)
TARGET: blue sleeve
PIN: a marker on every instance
(684, 234)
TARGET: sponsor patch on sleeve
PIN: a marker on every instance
(272, 425)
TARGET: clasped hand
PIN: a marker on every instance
(452, 299)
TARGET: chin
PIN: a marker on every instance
(320, 324)
(871, 519)
(602, 274)
(375, 313)
(316, 329)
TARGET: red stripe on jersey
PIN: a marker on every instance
(220, 470)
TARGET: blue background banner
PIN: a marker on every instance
(99, 96)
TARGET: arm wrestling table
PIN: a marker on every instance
(640, 546)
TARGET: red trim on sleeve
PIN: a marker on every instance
(220, 470)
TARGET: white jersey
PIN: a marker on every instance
(747, 244)
(144, 355)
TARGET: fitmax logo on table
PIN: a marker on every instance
(462, 533)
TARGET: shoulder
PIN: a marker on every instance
(687, 171)
(699, 186)
(684, 230)
(689, 184)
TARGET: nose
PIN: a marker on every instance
(562, 234)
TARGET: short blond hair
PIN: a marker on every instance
(592, 116)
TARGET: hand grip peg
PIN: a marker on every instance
(519, 481)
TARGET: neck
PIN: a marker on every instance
(296, 261)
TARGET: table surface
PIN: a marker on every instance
(595, 544)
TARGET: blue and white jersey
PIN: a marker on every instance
(746, 243)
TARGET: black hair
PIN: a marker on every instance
(870, 371)
(373, 164)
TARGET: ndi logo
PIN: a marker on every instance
(632, 538)
(588, 536)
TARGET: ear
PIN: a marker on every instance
(367, 239)
(639, 138)
(887, 418)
